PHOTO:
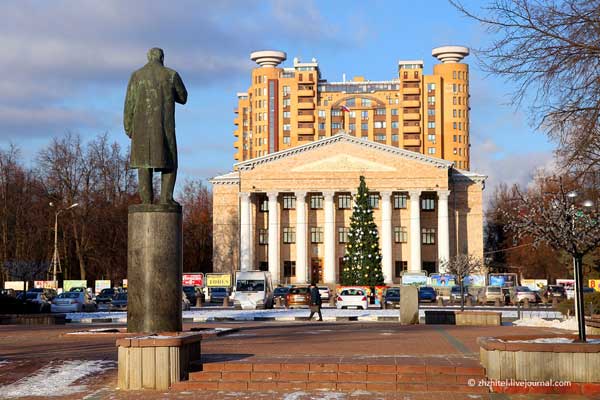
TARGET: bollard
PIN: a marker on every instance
(332, 298)
(525, 303)
(469, 302)
(278, 302)
(198, 301)
(226, 301)
(554, 302)
(518, 310)
(440, 301)
(497, 303)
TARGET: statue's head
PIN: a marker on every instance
(156, 54)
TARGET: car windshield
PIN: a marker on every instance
(523, 289)
(299, 290)
(218, 290)
(323, 287)
(280, 290)
(250, 285)
(392, 292)
(353, 292)
(426, 289)
(68, 295)
(494, 289)
(121, 296)
(107, 292)
(189, 289)
(31, 296)
(557, 288)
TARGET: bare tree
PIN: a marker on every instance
(551, 50)
(461, 266)
(196, 200)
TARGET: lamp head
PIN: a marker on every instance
(572, 194)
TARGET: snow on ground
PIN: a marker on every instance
(568, 324)
(56, 379)
(551, 340)
(209, 313)
(4, 363)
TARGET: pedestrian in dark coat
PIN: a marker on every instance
(315, 301)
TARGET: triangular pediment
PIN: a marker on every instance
(344, 163)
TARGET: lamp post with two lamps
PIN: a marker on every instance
(55, 265)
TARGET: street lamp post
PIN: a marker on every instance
(55, 256)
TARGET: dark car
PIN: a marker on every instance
(106, 295)
(192, 292)
(281, 293)
(119, 302)
(391, 298)
(218, 294)
(427, 293)
(38, 300)
(555, 291)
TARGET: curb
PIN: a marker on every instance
(371, 318)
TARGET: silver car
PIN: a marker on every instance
(523, 292)
(73, 302)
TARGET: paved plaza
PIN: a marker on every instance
(37, 351)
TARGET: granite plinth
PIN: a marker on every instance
(409, 305)
(154, 268)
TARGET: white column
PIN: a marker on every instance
(245, 232)
(301, 232)
(415, 231)
(330, 262)
(443, 229)
(274, 236)
(386, 237)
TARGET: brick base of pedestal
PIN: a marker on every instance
(156, 361)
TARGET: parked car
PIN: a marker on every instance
(493, 293)
(38, 299)
(281, 292)
(73, 302)
(48, 292)
(427, 293)
(218, 294)
(391, 298)
(524, 292)
(185, 303)
(455, 294)
(555, 291)
(325, 293)
(352, 297)
(106, 295)
(119, 302)
(192, 292)
(298, 297)
(253, 289)
(78, 289)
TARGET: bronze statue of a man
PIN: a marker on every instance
(149, 120)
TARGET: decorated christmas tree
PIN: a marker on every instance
(362, 261)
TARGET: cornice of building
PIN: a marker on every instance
(230, 178)
(459, 175)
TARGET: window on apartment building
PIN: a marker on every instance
(321, 137)
(286, 90)
(336, 125)
(431, 100)
(351, 102)
(400, 201)
(416, 74)
(289, 201)
(400, 234)
(454, 138)
(287, 102)
(287, 140)
(394, 124)
(454, 88)
(316, 234)
(263, 236)
(454, 113)
(364, 114)
(322, 114)
(379, 124)
(289, 234)
(431, 112)
(431, 125)
(428, 235)
(427, 204)
(453, 74)
(287, 127)
(380, 111)
(431, 137)
(374, 200)
(431, 150)
(459, 138)
(405, 75)
(460, 151)
(380, 137)
(264, 204)
(316, 201)
(394, 137)
(399, 267)
(344, 201)
(364, 126)
(365, 102)
(336, 113)
(430, 87)
(459, 101)
(394, 111)
(460, 126)
(454, 125)
(287, 114)
(454, 100)
(343, 235)
(352, 127)
(289, 269)
(321, 126)
(454, 151)
(352, 114)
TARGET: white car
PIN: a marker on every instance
(72, 302)
(325, 293)
(352, 297)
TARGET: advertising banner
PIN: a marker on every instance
(124, 283)
(218, 280)
(503, 280)
(45, 284)
(569, 284)
(14, 285)
(414, 279)
(193, 279)
(475, 280)
(442, 280)
(67, 285)
(534, 284)
(101, 284)
(594, 284)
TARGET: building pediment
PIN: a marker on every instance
(344, 163)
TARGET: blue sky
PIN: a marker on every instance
(66, 64)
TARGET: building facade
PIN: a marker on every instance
(287, 107)
(289, 211)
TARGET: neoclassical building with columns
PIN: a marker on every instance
(289, 212)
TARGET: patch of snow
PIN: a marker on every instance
(4, 363)
(568, 324)
(542, 340)
(55, 379)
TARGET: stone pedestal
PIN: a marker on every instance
(154, 268)
(409, 305)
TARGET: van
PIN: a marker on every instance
(493, 293)
(253, 289)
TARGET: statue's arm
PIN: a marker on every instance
(129, 108)
(180, 91)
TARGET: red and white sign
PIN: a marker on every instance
(194, 279)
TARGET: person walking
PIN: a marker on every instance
(315, 301)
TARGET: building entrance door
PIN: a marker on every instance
(316, 270)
